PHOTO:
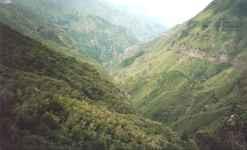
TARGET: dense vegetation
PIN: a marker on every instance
(54, 95)
(52, 101)
(194, 78)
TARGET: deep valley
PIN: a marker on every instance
(87, 75)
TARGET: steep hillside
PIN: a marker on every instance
(75, 32)
(23, 54)
(52, 101)
(218, 30)
(194, 77)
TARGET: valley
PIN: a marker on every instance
(81, 75)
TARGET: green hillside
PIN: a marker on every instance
(194, 78)
(74, 32)
(185, 90)
(52, 101)
(218, 30)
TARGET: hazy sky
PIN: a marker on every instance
(170, 12)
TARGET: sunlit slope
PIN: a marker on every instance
(190, 82)
(51, 101)
(218, 30)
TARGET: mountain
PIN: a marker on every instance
(53, 101)
(76, 33)
(219, 30)
(55, 95)
(193, 78)
(84, 28)
(142, 27)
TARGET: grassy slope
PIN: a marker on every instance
(218, 30)
(51, 101)
(184, 80)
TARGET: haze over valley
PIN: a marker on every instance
(123, 75)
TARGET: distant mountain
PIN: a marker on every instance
(76, 33)
(53, 101)
(142, 27)
(89, 28)
(194, 77)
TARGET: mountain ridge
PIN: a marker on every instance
(75, 33)
(194, 77)
(52, 101)
(55, 95)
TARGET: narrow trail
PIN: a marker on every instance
(220, 59)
